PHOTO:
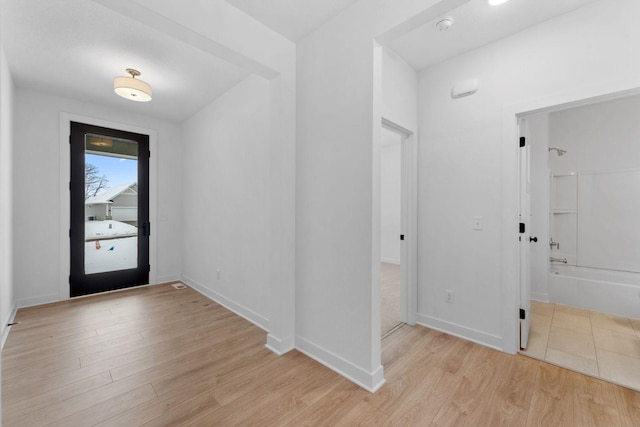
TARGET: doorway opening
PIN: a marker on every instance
(584, 270)
(109, 212)
(390, 229)
(397, 228)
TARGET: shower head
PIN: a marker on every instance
(560, 151)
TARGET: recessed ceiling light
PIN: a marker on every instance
(132, 89)
(497, 2)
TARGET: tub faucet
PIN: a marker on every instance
(552, 244)
(562, 260)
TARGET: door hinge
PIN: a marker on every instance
(521, 227)
(69, 139)
(148, 268)
(402, 237)
(522, 314)
(522, 141)
(69, 233)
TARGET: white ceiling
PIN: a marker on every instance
(476, 24)
(293, 19)
(76, 47)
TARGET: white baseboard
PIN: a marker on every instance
(390, 260)
(460, 331)
(238, 309)
(168, 279)
(279, 346)
(5, 327)
(370, 381)
(40, 300)
(539, 296)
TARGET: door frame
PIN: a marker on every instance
(408, 221)
(511, 285)
(104, 281)
(65, 196)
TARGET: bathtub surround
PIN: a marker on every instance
(592, 259)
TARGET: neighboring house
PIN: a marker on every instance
(119, 203)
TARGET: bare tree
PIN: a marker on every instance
(93, 182)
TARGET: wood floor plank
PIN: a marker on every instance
(20, 407)
(179, 414)
(72, 405)
(509, 405)
(104, 410)
(332, 407)
(594, 402)
(628, 406)
(479, 379)
(158, 356)
(552, 401)
(421, 369)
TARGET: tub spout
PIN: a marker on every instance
(563, 260)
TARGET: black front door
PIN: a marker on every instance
(109, 209)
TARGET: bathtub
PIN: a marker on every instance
(608, 291)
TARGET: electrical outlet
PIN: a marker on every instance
(449, 296)
(477, 223)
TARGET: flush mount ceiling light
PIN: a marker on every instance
(131, 88)
(100, 141)
(496, 2)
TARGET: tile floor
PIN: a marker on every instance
(597, 344)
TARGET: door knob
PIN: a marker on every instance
(533, 239)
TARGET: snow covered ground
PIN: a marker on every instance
(108, 228)
(114, 253)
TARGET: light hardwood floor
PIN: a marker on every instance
(389, 296)
(158, 356)
(593, 343)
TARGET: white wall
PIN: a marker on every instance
(399, 91)
(467, 168)
(598, 137)
(7, 298)
(36, 185)
(225, 190)
(337, 291)
(390, 196)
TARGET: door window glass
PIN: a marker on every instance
(111, 204)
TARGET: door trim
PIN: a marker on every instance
(65, 197)
(510, 260)
(409, 222)
(83, 283)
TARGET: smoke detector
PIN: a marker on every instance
(444, 24)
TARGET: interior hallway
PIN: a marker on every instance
(597, 344)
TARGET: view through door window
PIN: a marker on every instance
(111, 204)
